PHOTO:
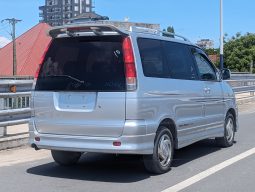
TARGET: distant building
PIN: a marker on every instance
(32, 45)
(205, 43)
(215, 58)
(126, 25)
(59, 12)
(98, 19)
(88, 17)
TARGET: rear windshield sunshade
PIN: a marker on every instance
(83, 64)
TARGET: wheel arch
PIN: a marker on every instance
(170, 124)
(233, 112)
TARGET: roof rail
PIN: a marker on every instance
(172, 35)
(138, 29)
(156, 32)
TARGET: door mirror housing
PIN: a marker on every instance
(226, 74)
(218, 74)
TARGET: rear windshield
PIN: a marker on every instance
(83, 64)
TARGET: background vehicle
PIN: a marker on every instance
(102, 89)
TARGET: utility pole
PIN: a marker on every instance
(221, 36)
(13, 22)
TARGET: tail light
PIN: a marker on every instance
(129, 61)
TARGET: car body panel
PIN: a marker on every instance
(131, 117)
(87, 114)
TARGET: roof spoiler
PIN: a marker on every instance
(90, 29)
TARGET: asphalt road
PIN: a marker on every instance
(27, 170)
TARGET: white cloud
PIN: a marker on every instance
(4, 41)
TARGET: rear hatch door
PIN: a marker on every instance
(81, 87)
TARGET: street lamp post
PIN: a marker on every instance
(221, 36)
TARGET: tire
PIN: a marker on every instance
(160, 161)
(65, 158)
(229, 132)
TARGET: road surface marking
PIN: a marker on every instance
(24, 155)
(184, 184)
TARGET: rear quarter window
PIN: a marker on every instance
(151, 53)
(165, 59)
(180, 61)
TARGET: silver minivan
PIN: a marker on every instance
(139, 91)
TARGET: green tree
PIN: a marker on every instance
(239, 52)
(169, 29)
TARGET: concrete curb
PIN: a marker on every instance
(245, 100)
(13, 141)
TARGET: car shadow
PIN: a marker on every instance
(195, 151)
(118, 168)
(97, 167)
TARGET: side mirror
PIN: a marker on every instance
(218, 74)
(226, 74)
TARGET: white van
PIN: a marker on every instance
(139, 91)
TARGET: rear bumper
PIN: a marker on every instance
(132, 141)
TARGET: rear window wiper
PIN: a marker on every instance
(67, 76)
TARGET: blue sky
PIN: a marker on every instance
(194, 19)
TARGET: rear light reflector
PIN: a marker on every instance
(116, 143)
(13, 89)
(129, 61)
(37, 139)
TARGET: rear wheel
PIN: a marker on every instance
(65, 158)
(160, 161)
(229, 132)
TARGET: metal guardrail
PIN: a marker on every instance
(17, 78)
(15, 106)
(15, 95)
(241, 86)
(239, 76)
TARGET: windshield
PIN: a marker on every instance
(83, 64)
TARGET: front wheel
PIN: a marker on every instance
(160, 161)
(65, 158)
(229, 132)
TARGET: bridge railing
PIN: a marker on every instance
(243, 84)
(15, 96)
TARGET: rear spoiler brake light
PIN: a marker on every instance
(95, 29)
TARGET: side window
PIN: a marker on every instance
(206, 72)
(180, 61)
(152, 58)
